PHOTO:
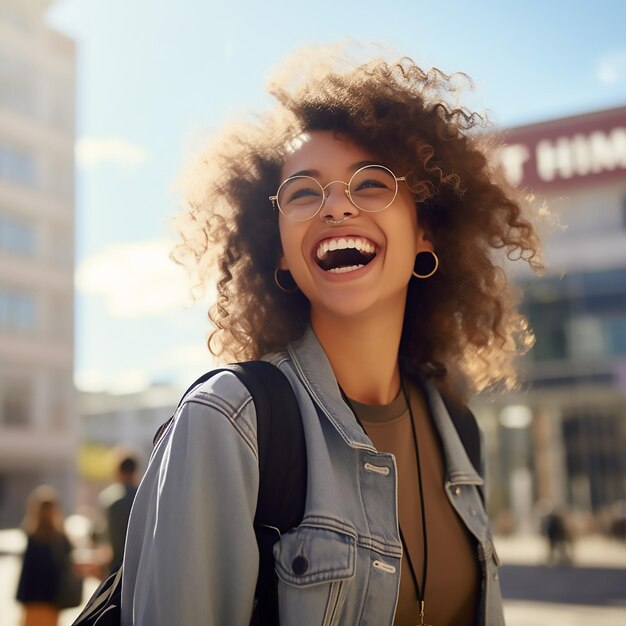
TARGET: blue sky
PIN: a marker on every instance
(156, 77)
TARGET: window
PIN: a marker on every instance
(15, 402)
(580, 316)
(17, 165)
(17, 311)
(17, 236)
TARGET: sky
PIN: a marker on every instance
(156, 78)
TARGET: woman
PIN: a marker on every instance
(356, 232)
(47, 550)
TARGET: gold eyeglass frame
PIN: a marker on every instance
(275, 203)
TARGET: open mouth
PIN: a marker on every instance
(344, 254)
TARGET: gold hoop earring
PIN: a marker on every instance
(426, 264)
(280, 286)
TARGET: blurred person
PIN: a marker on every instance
(617, 524)
(355, 232)
(115, 503)
(45, 561)
(558, 536)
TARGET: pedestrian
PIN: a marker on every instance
(558, 536)
(45, 578)
(114, 503)
(358, 234)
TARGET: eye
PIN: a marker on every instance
(299, 191)
(370, 183)
(303, 192)
(373, 179)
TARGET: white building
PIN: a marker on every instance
(111, 421)
(37, 111)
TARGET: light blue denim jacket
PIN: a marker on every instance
(191, 557)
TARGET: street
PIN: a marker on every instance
(591, 592)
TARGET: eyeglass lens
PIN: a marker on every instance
(372, 188)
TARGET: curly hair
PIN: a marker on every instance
(461, 326)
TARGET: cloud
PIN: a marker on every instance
(611, 68)
(135, 280)
(94, 151)
(125, 381)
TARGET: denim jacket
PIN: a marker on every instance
(191, 556)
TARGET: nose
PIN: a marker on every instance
(337, 204)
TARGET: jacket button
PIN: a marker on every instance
(299, 565)
(473, 511)
(457, 491)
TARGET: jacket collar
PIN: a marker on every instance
(315, 372)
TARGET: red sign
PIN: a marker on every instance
(567, 151)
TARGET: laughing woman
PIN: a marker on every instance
(357, 232)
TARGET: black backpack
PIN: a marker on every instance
(282, 486)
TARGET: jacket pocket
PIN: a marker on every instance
(313, 566)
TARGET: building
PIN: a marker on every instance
(38, 422)
(564, 438)
(110, 421)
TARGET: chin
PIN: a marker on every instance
(346, 307)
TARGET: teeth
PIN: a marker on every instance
(329, 245)
(343, 270)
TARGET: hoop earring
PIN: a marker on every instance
(280, 286)
(426, 264)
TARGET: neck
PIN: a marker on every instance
(363, 354)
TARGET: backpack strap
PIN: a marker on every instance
(282, 469)
(280, 438)
(467, 428)
(283, 474)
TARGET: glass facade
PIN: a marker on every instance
(594, 456)
(578, 317)
(18, 311)
(17, 236)
(17, 166)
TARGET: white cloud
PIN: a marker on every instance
(135, 280)
(93, 151)
(127, 381)
(611, 68)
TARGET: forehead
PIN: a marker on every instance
(324, 151)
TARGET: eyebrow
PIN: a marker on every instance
(354, 167)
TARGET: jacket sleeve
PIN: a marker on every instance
(191, 555)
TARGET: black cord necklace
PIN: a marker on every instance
(421, 591)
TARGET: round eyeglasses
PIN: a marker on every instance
(371, 188)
